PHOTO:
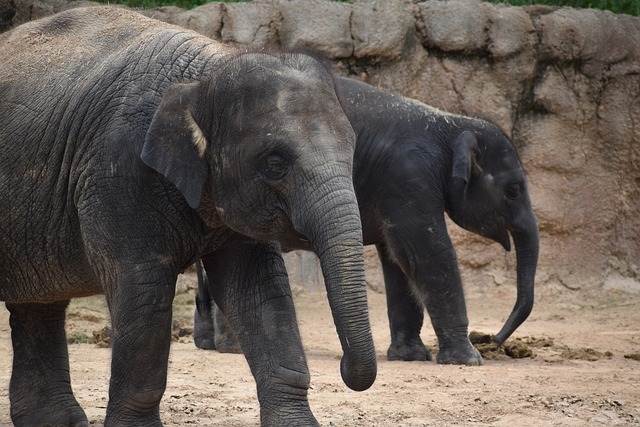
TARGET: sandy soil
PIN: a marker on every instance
(561, 385)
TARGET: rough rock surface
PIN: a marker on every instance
(7, 12)
(563, 83)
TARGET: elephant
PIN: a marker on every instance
(413, 163)
(129, 148)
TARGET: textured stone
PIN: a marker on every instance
(205, 19)
(7, 12)
(28, 10)
(381, 28)
(456, 26)
(321, 25)
(578, 34)
(251, 23)
(511, 31)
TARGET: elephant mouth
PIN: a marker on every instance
(499, 234)
(504, 240)
(299, 241)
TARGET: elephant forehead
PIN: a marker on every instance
(505, 176)
(508, 163)
(289, 95)
(305, 100)
(292, 110)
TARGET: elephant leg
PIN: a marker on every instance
(425, 254)
(141, 320)
(40, 387)
(448, 314)
(440, 284)
(203, 327)
(249, 282)
(406, 315)
(211, 329)
(225, 338)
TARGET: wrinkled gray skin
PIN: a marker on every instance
(129, 148)
(411, 165)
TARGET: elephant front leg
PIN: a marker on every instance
(439, 282)
(250, 284)
(141, 321)
(40, 387)
(406, 315)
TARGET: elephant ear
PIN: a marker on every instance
(464, 151)
(175, 145)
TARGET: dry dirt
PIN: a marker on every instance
(584, 369)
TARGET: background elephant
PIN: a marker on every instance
(129, 148)
(412, 164)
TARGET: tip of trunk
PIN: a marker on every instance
(518, 316)
(358, 376)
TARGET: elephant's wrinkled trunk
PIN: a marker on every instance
(527, 246)
(336, 238)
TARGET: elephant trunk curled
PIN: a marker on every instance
(339, 247)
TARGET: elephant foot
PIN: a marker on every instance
(141, 421)
(203, 330)
(225, 338)
(300, 419)
(204, 342)
(67, 413)
(407, 352)
(226, 345)
(459, 354)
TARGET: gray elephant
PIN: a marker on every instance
(412, 164)
(128, 149)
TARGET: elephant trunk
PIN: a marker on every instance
(336, 238)
(527, 247)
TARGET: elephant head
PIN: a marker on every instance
(263, 147)
(488, 196)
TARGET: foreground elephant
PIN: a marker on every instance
(129, 148)
(412, 164)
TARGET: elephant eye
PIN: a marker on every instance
(273, 166)
(513, 191)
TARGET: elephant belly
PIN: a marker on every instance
(37, 282)
(37, 265)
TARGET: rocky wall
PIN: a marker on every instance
(563, 83)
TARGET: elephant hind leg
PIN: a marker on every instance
(226, 339)
(406, 314)
(203, 327)
(40, 387)
(211, 329)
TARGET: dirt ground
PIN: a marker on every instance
(584, 369)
